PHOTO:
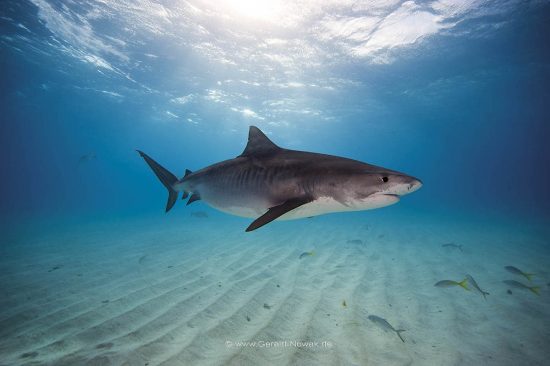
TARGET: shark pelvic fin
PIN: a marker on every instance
(194, 197)
(277, 211)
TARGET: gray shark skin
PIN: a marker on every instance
(267, 183)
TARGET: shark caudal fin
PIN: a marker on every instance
(535, 290)
(166, 178)
(529, 276)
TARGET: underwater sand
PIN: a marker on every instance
(181, 290)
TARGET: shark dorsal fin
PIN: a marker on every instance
(258, 143)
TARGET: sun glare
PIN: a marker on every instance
(255, 9)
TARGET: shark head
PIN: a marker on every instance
(376, 187)
(394, 183)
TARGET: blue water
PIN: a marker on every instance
(456, 95)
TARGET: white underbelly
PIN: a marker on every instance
(320, 206)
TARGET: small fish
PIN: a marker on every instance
(355, 241)
(475, 285)
(383, 323)
(453, 245)
(305, 254)
(516, 284)
(107, 345)
(450, 283)
(518, 271)
(344, 304)
(87, 157)
(267, 306)
(29, 355)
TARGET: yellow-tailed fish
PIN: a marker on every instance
(305, 254)
(450, 283)
(516, 284)
(518, 271)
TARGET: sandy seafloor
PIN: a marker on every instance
(181, 290)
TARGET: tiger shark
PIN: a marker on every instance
(267, 182)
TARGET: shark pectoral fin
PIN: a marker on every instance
(277, 211)
(194, 197)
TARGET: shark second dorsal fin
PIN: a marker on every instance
(258, 143)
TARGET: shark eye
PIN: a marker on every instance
(384, 179)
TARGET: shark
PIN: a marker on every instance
(267, 182)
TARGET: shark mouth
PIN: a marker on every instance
(382, 199)
(387, 195)
(392, 195)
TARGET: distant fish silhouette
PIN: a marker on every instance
(521, 286)
(450, 283)
(453, 245)
(87, 157)
(305, 254)
(475, 285)
(385, 325)
(199, 214)
(518, 271)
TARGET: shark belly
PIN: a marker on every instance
(255, 206)
(235, 202)
(325, 205)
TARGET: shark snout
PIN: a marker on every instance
(400, 185)
(405, 185)
(414, 185)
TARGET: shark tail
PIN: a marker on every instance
(398, 331)
(464, 284)
(166, 178)
(485, 294)
(535, 290)
(529, 276)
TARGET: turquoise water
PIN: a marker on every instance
(454, 93)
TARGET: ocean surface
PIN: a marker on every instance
(94, 272)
